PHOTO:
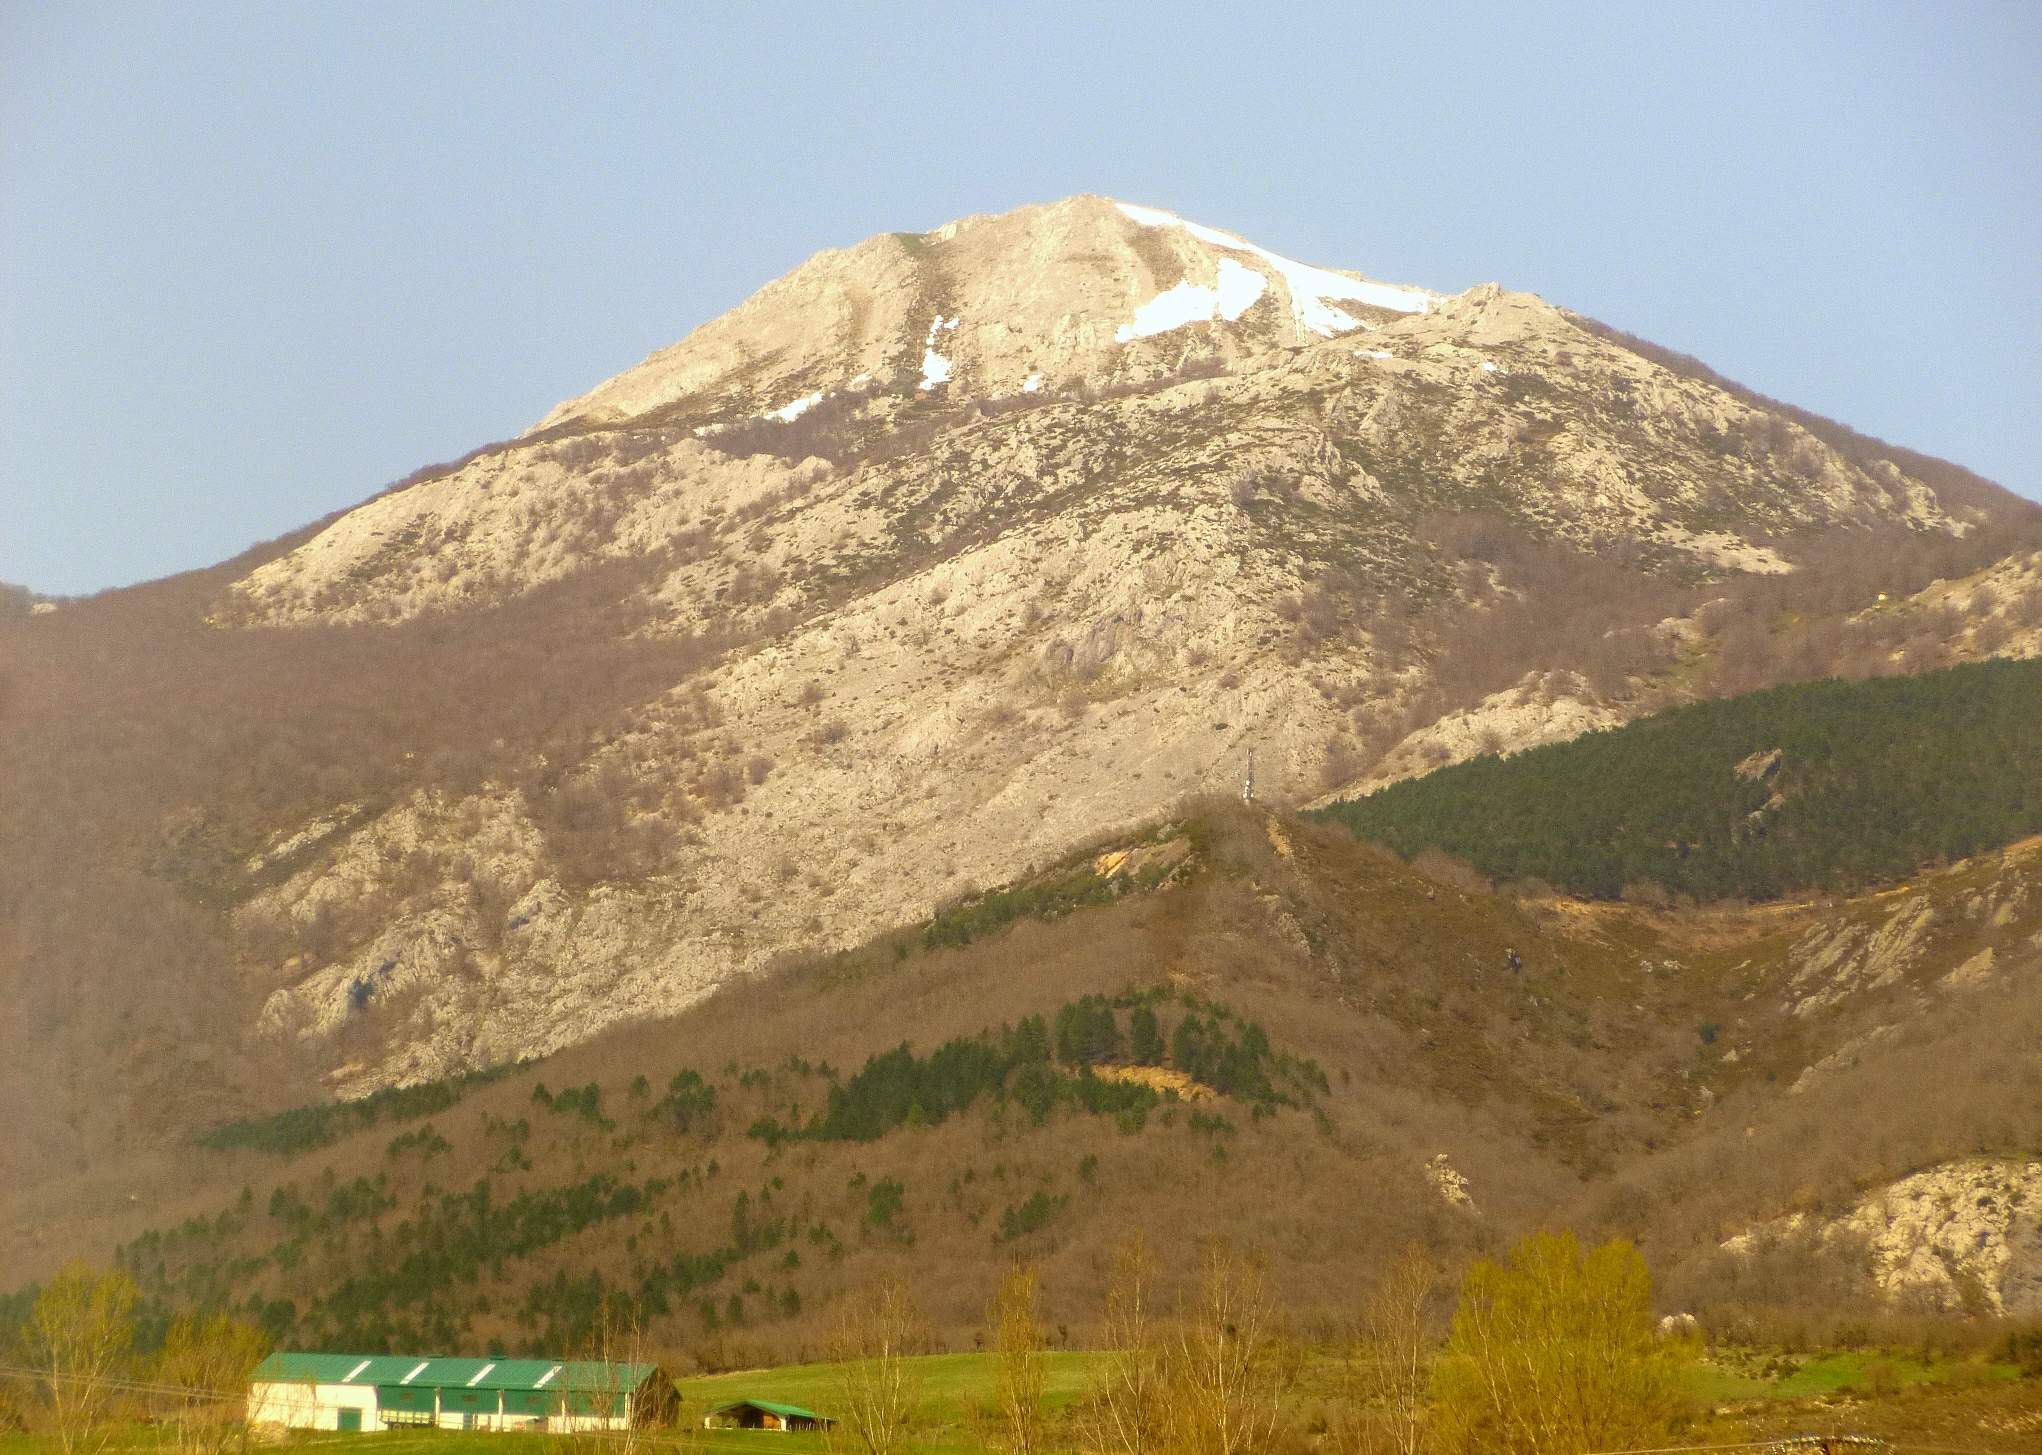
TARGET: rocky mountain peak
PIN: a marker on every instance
(986, 541)
(1086, 291)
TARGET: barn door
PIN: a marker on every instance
(350, 1419)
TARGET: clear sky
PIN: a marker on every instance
(258, 260)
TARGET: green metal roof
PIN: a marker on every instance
(319, 1368)
(793, 1411)
(420, 1372)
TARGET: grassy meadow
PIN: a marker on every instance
(1737, 1394)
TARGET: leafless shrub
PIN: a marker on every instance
(1319, 613)
(719, 787)
(832, 429)
(577, 454)
(1343, 763)
(1443, 868)
(629, 447)
(750, 585)
(1647, 892)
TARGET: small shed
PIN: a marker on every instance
(763, 1414)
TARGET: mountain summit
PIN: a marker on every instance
(937, 558)
(1086, 291)
(1482, 400)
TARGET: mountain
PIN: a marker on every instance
(937, 558)
(1342, 1055)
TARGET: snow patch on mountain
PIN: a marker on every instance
(1310, 287)
(788, 413)
(1189, 302)
(935, 367)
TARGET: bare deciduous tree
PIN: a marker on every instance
(204, 1369)
(1126, 1415)
(594, 1386)
(1392, 1357)
(79, 1336)
(1225, 1372)
(1019, 1340)
(876, 1337)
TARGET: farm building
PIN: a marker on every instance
(763, 1414)
(391, 1391)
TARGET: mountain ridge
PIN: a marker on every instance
(1404, 1056)
(598, 721)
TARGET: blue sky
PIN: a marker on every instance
(258, 260)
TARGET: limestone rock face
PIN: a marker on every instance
(1023, 364)
(1963, 1236)
(1000, 538)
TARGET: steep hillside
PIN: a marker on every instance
(1235, 1023)
(1818, 785)
(937, 558)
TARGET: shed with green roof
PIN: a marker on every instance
(763, 1414)
(392, 1391)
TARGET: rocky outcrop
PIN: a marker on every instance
(1965, 1236)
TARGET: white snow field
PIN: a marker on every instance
(1310, 287)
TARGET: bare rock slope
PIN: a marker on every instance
(1005, 536)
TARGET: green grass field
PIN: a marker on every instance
(946, 1383)
(955, 1394)
(1738, 1375)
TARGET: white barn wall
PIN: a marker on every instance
(299, 1406)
